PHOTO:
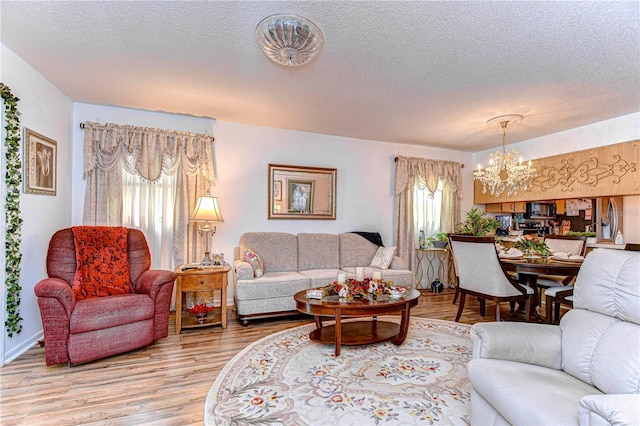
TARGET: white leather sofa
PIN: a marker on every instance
(299, 262)
(585, 371)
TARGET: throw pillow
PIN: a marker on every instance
(102, 261)
(383, 257)
(253, 259)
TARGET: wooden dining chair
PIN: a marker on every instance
(481, 275)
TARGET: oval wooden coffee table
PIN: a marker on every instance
(357, 332)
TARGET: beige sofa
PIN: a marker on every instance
(585, 371)
(299, 262)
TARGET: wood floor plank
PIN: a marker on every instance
(164, 384)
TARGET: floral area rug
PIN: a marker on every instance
(287, 379)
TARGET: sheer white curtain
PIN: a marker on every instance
(425, 175)
(150, 208)
(428, 208)
(148, 179)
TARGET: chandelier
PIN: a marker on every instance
(505, 170)
(288, 40)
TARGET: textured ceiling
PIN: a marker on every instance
(427, 72)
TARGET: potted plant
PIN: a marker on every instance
(591, 236)
(441, 239)
(478, 224)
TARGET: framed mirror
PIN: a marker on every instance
(298, 192)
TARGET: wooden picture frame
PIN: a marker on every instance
(300, 196)
(319, 182)
(41, 164)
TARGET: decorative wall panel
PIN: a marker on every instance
(604, 171)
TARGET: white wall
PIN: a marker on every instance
(620, 129)
(48, 111)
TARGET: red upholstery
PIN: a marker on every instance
(79, 331)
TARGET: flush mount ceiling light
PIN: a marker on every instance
(289, 40)
(505, 170)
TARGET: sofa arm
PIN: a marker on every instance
(398, 263)
(151, 282)
(243, 271)
(611, 409)
(538, 344)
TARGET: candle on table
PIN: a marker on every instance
(359, 274)
(377, 275)
(342, 277)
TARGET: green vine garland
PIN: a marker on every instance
(13, 180)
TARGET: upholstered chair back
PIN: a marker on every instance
(601, 335)
(566, 244)
(284, 259)
(478, 267)
(61, 256)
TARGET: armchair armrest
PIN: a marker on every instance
(398, 263)
(58, 289)
(151, 282)
(243, 270)
(610, 409)
(538, 344)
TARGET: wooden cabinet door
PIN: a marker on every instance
(520, 207)
(507, 207)
(493, 208)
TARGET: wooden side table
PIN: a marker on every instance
(205, 278)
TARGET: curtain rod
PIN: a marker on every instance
(395, 160)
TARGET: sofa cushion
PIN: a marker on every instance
(253, 259)
(321, 277)
(106, 312)
(272, 284)
(355, 250)
(597, 350)
(383, 257)
(318, 251)
(544, 396)
(278, 250)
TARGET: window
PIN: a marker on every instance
(150, 208)
(427, 209)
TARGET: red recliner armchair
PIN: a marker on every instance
(79, 328)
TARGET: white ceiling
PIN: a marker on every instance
(416, 72)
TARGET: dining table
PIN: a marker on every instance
(529, 268)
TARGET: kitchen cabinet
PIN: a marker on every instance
(517, 207)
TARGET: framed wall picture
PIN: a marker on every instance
(300, 196)
(41, 164)
(277, 190)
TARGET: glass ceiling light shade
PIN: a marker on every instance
(289, 40)
(207, 211)
(505, 170)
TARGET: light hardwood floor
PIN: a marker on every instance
(164, 384)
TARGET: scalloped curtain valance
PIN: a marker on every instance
(147, 152)
(427, 173)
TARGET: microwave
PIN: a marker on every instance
(541, 210)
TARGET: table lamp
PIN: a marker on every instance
(207, 211)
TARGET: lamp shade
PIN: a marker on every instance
(207, 210)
